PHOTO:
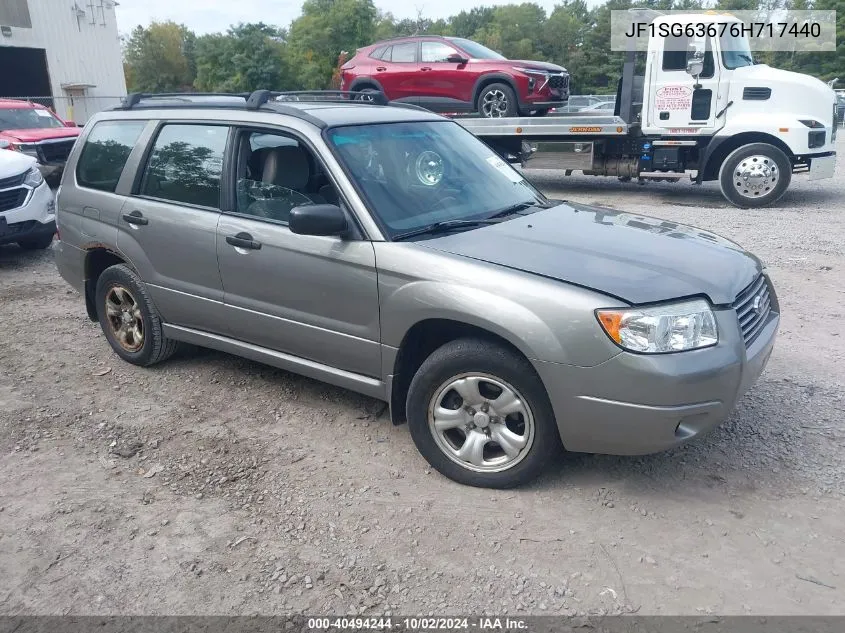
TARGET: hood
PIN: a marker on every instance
(40, 134)
(14, 163)
(634, 258)
(816, 100)
(522, 63)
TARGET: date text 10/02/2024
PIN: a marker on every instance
(419, 624)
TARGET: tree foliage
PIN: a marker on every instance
(166, 56)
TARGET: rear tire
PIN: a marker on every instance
(37, 243)
(366, 94)
(129, 319)
(497, 100)
(755, 175)
(495, 376)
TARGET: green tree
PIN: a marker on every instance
(468, 23)
(159, 58)
(248, 57)
(325, 28)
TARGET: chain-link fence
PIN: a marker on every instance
(76, 109)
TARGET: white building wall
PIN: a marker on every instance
(83, 49)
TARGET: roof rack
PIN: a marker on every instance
(258, 98)
(134, 98)
(262, 99)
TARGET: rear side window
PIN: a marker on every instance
(185, 165)
(376, 54)
(404, 52)
(105, 153)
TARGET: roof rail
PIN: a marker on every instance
(260, 97)
(134, 98)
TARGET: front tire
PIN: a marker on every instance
(755, 175)
(480, 415)
(497, 100)
(129, 319)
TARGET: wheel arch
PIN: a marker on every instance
(719, 148)
(97, 259)
(359, 83)
(421, 339)
(493, 78)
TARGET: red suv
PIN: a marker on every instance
(32, 129)
(452, 74)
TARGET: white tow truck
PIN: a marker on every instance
(703, 109)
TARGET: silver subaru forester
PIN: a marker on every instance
(388, 251)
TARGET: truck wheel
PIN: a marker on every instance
(497, 100)
(129, 319)
(755, 175)
(480, 415)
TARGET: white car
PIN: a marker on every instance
(27, 205)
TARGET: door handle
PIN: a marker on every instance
(136, 218)
(426, 68)
(381, 69)
(243, 240)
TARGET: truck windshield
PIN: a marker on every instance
(475, 50)
(27, 119)
(735, 51)
(415, 174)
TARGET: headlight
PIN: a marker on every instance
(33, 177)
(661, 329)
(532, 71)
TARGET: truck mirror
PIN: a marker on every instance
(695, 67)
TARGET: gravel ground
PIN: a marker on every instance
(214, 485)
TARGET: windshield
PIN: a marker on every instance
(27, 119)
(414, 175)
(735, 51)
(475, 50)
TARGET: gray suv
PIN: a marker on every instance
(389, 251)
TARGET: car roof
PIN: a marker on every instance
(321, 113)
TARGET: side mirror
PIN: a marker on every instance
(457, 58)
(70, 124)
(318, 219)
(695, 67)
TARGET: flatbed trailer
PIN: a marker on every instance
(698, 110)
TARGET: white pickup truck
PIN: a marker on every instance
(704, 109)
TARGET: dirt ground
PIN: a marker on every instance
(215, 485)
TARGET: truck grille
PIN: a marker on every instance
(753, 306)
(12, 198)
(56, 152)
(13, 181)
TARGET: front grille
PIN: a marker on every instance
(12, 198)
(13, 181)
(55, 152)
(753, 306)
(558, 81)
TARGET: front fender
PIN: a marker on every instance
(422, 300)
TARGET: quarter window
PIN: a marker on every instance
(185, 165)
(404, 52)
(436, 52)
(105, 153)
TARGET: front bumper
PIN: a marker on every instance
(36, 217)
(635, 404)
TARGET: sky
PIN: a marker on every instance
(209, 16)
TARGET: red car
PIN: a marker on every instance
(453, 74)
(32, 129)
